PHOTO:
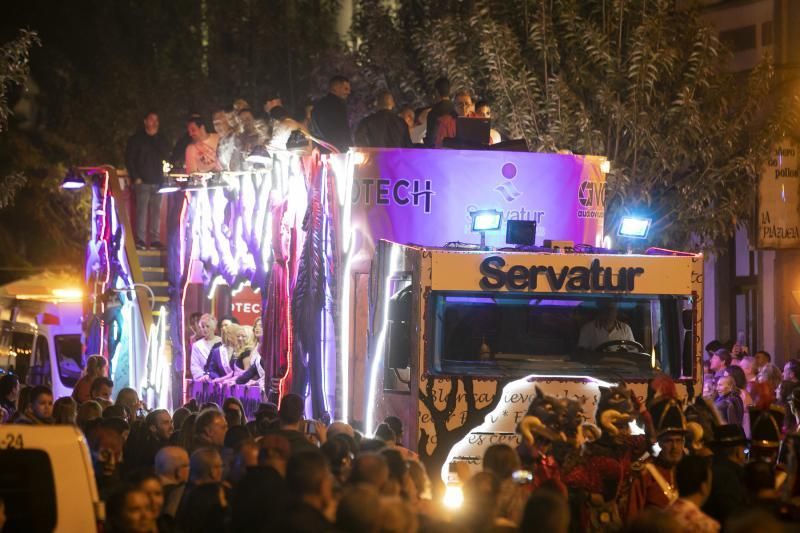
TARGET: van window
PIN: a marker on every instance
(68, 354)
(16, 348)
(28, 489)
(39, 373)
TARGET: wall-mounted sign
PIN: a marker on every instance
(778, 215)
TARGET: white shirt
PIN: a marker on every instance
(593, 334)
(200, 351)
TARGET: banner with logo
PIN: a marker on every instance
(425, 197)
(778, 216)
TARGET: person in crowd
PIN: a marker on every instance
(292, 425)
(384, 128)
(234, 412)
(502, 461)
(65, 411)
(204, 502)
(184, 437)
(310, 483)
(420, 126)
(149, 483)
(329, 117)
(479, 512)
(129, 399)
(748, 365)
(384, 433)
(96, 367)
(605, 328)
(88, 411)
(442, 107)
(9, 392)
(446, 124)
(172, 468)
(712, 347)
(251, 134)
(40, 410)
(728, 401)
(227, 321)
(248, 505)
(396, 425)
(177, 157)
(546, 511)
(693, 478)
(766, 372)
(793, 401)
(144, 156)
(337, 452)
(23, 402)
(760, 482)
(728, 493)
(653, 483)
(201, 154)
(359, 510)
(100, 391)
(406, 113)
(220, 365)
(203, 346)
(736, 373)
(210, 429)
(720, 361)
(371, 469)
(147, 437)
(128, 510)
(105, 444)
(482, 110)
(225, 127)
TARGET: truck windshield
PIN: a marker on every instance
(68, 353)
(514, 335)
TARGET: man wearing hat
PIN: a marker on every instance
(728, 492)
(653, 484)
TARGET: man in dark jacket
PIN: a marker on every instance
(144, 156)
(728, 493)
(384, 128)
(329, 116)
(443, 106)
(310, 482)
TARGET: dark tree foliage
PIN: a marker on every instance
(103, 64)
(637, 81)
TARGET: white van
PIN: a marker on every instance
(47, 480)
(41, 343)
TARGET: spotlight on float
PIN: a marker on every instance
(486, 220)
(634, 227)
(73, 180)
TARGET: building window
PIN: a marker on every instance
(766, 33)
(740, 39)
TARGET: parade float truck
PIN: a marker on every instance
(461, 338)
(452, 338)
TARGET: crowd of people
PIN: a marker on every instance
(240, 137)
(697, 467)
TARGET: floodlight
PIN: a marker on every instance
(634, 227)
(486, 220)
(73, 180)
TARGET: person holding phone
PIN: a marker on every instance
(296, 429)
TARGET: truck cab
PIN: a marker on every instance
(461, 339)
